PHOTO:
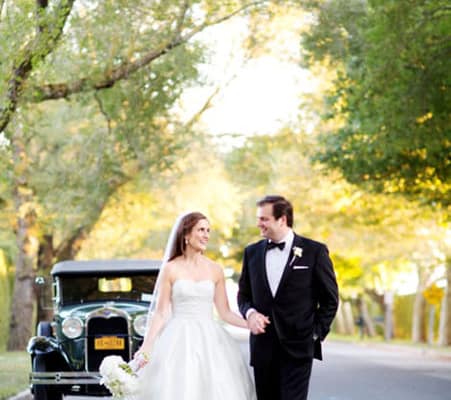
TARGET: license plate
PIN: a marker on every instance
(109, 343)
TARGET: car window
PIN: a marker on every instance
(81, 289)
(118, 284)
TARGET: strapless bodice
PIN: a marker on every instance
(194, 357)
(192, 299)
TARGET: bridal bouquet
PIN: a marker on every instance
(119, 377)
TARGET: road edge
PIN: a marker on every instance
(24, 395)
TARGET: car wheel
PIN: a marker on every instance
(44, 329)
(44, 392)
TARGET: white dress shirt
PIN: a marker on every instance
(276, 260)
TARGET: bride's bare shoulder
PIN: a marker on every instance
(171, 266)
(174, 263)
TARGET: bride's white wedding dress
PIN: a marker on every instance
(194, 358)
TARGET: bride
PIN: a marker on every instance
(186, 355)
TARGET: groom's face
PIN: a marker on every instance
(270, 227)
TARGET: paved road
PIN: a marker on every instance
(374, 372)
(378, 372)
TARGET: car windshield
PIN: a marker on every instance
(81, 289)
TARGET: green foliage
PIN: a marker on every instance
(349, 274)
(392, 90)
(137, 219)
(16, 21)
(87, 98)
(5, 299)
(78, 152)
(7, 240)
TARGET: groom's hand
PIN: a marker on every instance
(257, 322)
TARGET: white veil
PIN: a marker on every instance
(169, 252)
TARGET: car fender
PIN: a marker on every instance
(41, 345)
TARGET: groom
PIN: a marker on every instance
(289, 295)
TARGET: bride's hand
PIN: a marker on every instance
(257, 322)
(141, 358)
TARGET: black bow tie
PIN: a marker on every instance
(272, 245)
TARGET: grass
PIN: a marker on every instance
(14, 369)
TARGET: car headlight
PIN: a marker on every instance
(72, 327)
(140, 324)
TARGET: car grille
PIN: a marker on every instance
(99, 327)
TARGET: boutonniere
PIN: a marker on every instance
(297, 251)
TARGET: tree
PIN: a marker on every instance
(124, 63)
(392, 90)
(389, 106)
(137, 219)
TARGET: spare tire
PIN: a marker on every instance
(44, 329)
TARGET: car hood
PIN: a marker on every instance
(81, 310)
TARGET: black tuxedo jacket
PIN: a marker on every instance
(305, 303)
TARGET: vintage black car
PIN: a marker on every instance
(100, 308)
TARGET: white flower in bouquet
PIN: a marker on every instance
(120, 379)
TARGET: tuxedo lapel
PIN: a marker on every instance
(297, 241)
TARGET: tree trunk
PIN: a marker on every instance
(366, 320)
(431, 323)
(447, 327)
(442, 325)
(344, 321)
(45, 263)
(388, 316)
(417, 318)
(5, 297)
(377, 298)
(48, 256)
(20, 328)
(340, 320)
(349, 318)
(419, 308)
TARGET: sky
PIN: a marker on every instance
(262, 98)
(258, 96)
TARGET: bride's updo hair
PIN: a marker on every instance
(185, 227)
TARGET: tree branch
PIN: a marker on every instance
(36, 50)
(41, 5)
(62, 90)
(2, 3)
(71, 246)
(209, 101)
(103, 112)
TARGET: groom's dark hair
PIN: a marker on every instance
(280, 206)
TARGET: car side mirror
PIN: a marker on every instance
(44, 292)
(39, 280)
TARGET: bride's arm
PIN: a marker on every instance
(161, 314)
(222, 304)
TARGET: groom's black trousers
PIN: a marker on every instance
(284, 378)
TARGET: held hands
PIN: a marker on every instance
(257, 322)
